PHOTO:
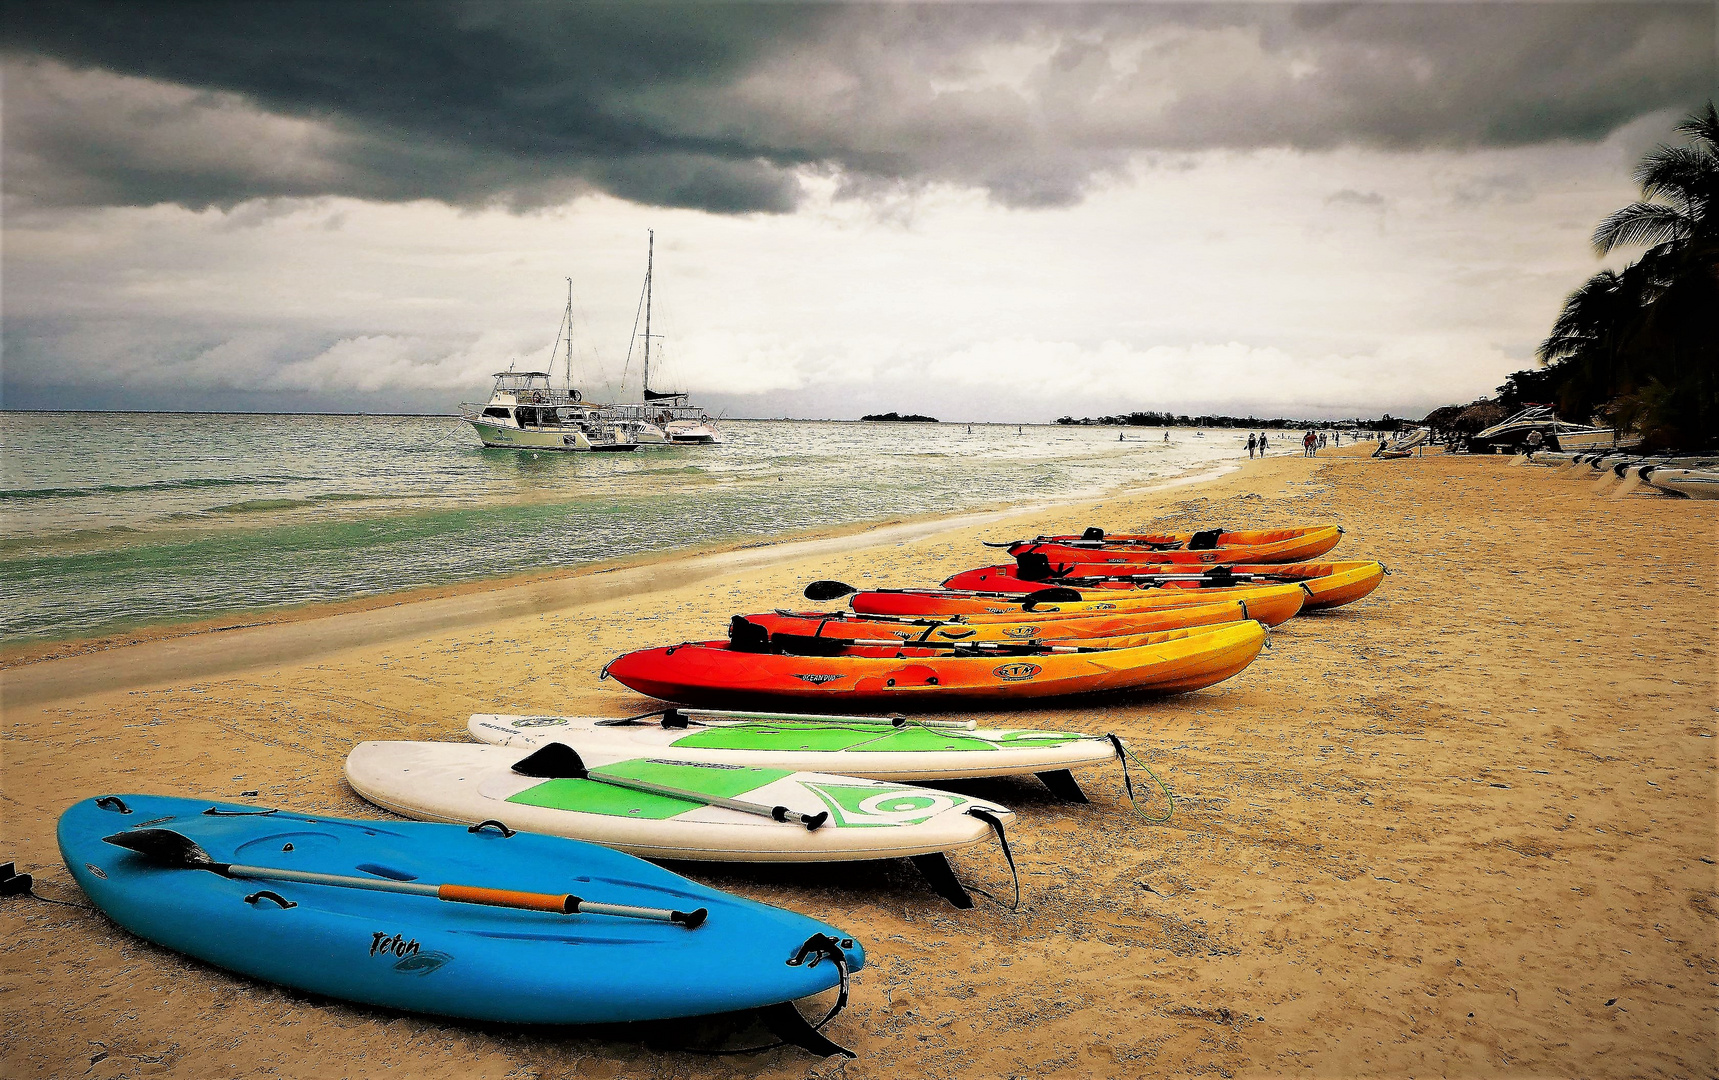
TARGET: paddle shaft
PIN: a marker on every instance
(774, 813)
(559, 903)
(806, 718)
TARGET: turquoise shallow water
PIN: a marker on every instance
(114, 520)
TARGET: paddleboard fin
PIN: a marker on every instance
(785, 1022)
(1062, 784)
(942, 878)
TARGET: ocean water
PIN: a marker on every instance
(116, 520)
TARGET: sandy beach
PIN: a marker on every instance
(1464, 827)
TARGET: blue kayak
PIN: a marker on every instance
(423, 954)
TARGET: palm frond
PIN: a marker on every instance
(1703, 126)
(1679, 174)
(1642, 223)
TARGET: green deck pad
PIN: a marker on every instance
(595, 797)
(872, 739)
(853, 807)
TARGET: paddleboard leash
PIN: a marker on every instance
(1125, 756)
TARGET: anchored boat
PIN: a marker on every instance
(665, 412)
(525, 412)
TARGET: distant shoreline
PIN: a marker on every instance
(1063, 422)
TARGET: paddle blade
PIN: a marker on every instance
(828, 590)
(163, 847)
(556, 761)
(1050, 596)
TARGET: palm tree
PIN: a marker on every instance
(1643, 344)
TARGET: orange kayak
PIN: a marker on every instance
(1213, 546)
(1078, 629)
(1327, 584)
(756, 668)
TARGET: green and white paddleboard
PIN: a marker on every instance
(863, 818)
(883, 748)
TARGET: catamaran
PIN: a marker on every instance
(680, 422)
(525, 412)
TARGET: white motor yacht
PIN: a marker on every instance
(525, 412)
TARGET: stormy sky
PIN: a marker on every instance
(993, 211)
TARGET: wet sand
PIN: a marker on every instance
(1463, 827)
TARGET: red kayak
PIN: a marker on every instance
(756, 667)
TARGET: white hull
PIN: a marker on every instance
(685, 433)
(1580, 439)
(500, 435)
(868, 819)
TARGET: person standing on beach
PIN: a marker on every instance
(1251, 443)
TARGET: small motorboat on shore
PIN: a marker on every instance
(1558, 434)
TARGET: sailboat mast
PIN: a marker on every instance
(650, 261)
(567, 317)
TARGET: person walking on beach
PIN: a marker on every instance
(1251, 443)
(1307, 444)
(1262, 444)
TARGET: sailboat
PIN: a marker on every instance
(681, 423)
(526, 412)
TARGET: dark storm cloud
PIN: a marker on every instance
(720, 106)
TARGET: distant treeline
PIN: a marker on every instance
(1164, 419)
(911, 418)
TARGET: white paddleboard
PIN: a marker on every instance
(867, 819)
(914, 751)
